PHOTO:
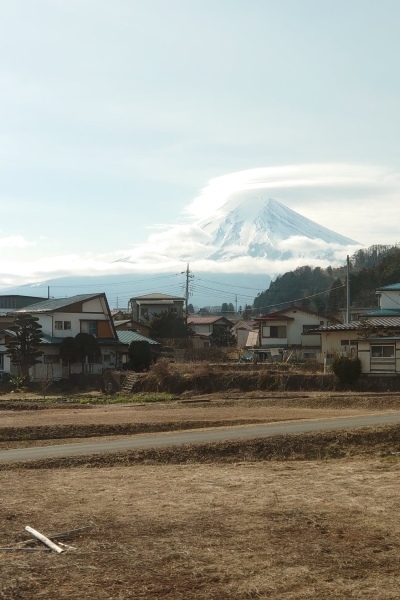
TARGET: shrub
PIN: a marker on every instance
(347, 370)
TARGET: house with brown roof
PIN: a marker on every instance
(66, 317)
(206, 327)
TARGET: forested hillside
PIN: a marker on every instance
(324, 291)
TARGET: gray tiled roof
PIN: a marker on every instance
(56, 303)
(354, 325)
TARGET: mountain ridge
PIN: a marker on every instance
(251, 225)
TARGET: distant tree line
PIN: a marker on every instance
(324, 291)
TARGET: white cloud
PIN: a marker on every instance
(15, 241)
(345, 198)
(342, 197)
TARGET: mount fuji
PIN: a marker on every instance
(239, 248)
(252, 226)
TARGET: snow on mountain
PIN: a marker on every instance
(251, 225)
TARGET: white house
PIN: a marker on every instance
(292, 327)
(66, 317)
(374, 337)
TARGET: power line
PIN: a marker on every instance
(299, 299)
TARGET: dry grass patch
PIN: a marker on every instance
(239, 531)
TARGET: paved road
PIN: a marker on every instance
(242, 432)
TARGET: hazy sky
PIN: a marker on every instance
(118, 117)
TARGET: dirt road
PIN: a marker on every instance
(204, 436)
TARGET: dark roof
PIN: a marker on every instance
(395, 287)
(382, 312)
(157, 297)
(56, 303)
(208, 320)
(353, 325)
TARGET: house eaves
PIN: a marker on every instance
(156, 297)
(274, 317)
(354, 325)
(126, 337)
(57, 303)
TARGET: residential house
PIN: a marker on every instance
(130, 325)
(66, 317)
(16, 301)
(144, 308)
(287, 328)
(374, 337)
(127, 337)
(245, 333)
(206, 326)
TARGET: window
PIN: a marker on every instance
(107, 358)
(89, 327)
(382, 351)
(51, 358)
(344, 342)
(62, 325)
(308, 328)
(1, 361)
(274, 331)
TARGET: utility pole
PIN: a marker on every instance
(348, 291)
(188, 277)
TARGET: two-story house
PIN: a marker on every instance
(144, 308)
(286, 328)
(204, 327)
(66, 317)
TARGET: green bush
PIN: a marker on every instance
(347, 370)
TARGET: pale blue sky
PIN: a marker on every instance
(115, 115)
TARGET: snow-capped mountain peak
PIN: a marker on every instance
(252, 225)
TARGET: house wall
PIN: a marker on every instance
(369, 364)
(203, 329)
(154, 309)
(48, 323)
(242, 337)
(331, 342)
(389, 299)
(5, 364)
(294, 330)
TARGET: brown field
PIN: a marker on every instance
(221, 526)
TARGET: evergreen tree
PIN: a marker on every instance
(88, 348)
(169, 325)
(140, 355)
(23, 348)
(69, 351)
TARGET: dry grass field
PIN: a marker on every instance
(292, 529)
(268, 530)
